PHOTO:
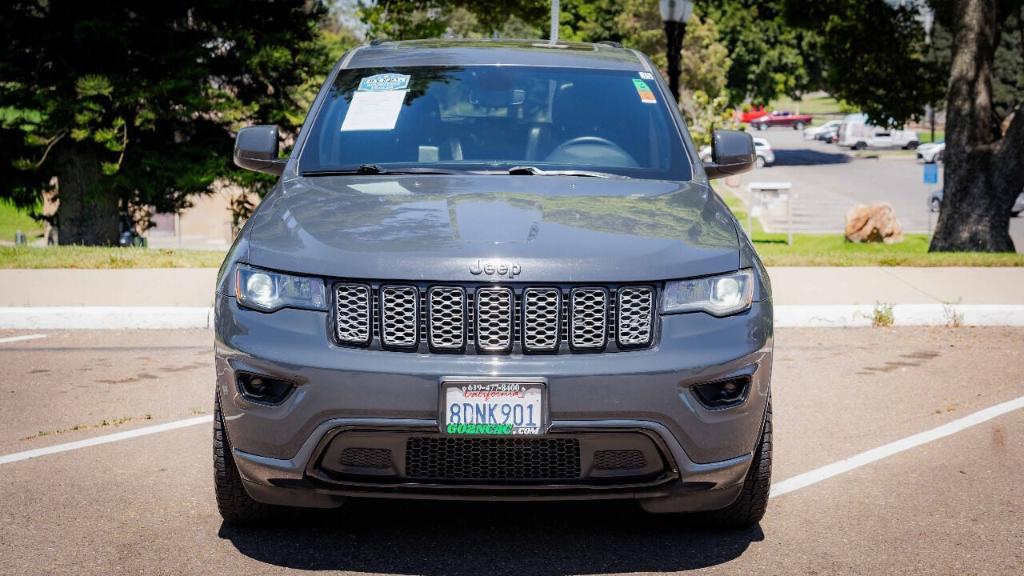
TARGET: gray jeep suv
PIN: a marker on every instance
(493, 270)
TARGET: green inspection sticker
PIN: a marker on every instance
(645, 92)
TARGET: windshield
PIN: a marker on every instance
(494, 118)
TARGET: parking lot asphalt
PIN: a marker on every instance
(828, 180)
(145, 505)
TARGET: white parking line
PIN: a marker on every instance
(874, 455)
(21, 338)
(778, 489)
(106, 439)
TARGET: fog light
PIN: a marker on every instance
(723, 393)
(262, 389)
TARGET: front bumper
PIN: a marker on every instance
(706, 452)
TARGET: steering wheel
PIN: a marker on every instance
(591, 150)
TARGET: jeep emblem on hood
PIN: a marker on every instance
(495, 268)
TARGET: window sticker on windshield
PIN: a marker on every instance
(646, 95)
(377, 103)
(647, 75)
(373, 110)
(384, 83)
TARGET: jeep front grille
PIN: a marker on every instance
(542, 313)
(399, 316)
(494, 309)
(447, 317)
(352, 313)
(634, 315)
(489, 319)
(589, 318)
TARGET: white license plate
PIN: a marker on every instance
(493, 408)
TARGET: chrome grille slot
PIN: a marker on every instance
(399, 316)
(635, 315)
(588, 318)
(447, 317)
(352, 320)
(542, 311)
(494, 319)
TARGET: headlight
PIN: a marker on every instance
(716, 295)
(269, 291)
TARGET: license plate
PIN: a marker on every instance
(493, 408)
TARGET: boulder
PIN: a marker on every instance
(873, 223)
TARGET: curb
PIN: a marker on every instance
(106, 318)
(847, 315)
(786, 316)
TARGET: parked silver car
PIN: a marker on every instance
(935, 202)
(931, 152)
(476, 279)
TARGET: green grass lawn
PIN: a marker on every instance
(807, 250)
(13, 220)
(834, 250)
(926, 135)
(817, 104)
(99, 257)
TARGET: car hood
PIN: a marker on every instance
(546, 228)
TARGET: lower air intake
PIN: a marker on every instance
(366, 457)
(619, 460)
(492, 459)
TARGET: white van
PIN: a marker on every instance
(855, 132)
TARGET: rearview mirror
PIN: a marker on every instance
(256, 149)
(732, 152)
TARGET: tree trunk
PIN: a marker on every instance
(88, 210)
(983, 170)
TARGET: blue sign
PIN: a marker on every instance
(931, 173)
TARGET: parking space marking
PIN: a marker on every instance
(864, 458)
(106, 439)
(21, 338)
(778, 489)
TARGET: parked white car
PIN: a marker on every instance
(763, 149)
(815, 132)
(931, 152)
(855, 132)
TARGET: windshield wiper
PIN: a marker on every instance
(375, 169)
(534, 171)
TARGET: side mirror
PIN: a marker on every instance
(732, 152)
(256, 149)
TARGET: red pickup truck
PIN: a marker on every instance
(777, 118)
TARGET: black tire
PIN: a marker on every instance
(750, 507)
(798, 126)
(936, 205)
(233, 502)
(860, 146)
(762, 127)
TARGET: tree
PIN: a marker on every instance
(876, 54)
(414, 19)
(704, 98)
(122, 105)
(770, 57)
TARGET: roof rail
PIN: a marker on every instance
(377, 42)
(611, 43)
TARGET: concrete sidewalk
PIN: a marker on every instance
(796, 286)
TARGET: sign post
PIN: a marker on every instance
(930, 177)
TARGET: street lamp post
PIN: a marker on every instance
(675, 13)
